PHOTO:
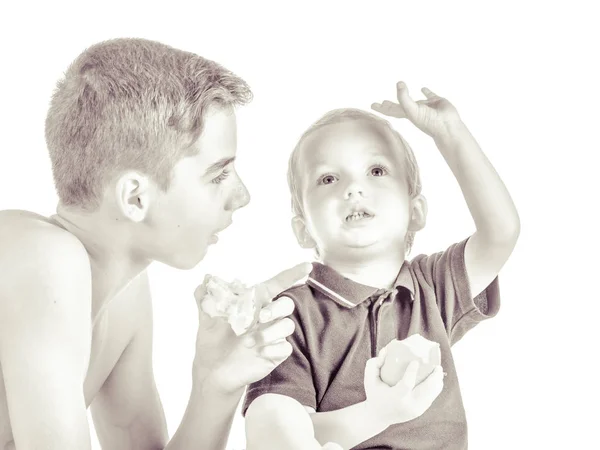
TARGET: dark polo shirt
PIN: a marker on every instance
(340, 324)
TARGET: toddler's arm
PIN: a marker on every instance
(277, 421)
(493, 211)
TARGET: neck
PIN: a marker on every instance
(380, 272)
(109, 244)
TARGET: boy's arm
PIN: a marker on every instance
(45, 335)
(127, 410)
(493, 211)
(225, 363)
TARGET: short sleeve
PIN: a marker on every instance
(293, 377)
(446, 273)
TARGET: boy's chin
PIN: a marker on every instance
(185, 260)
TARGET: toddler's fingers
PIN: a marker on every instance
(282, 307)
(431, 386)
(373, 368)
(428, 93)
(410, 375)
(383, 352)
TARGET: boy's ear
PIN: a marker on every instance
(132, 195)
(303, 237)
(418, 213)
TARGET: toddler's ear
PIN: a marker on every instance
(303, 237)
(418, 213)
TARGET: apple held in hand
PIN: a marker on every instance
(233, 301)
(400, 353)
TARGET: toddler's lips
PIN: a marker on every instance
(358, 216)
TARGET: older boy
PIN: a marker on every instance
(357, 200)
(142, 139)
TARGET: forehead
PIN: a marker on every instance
(349, 141)
(218, 139)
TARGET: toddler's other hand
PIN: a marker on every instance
(404, 401)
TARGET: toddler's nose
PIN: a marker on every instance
(354, 190)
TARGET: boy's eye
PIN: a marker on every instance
(222, 176)
(327, 179)
(378, 171)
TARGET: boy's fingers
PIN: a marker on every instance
(277, 351)
(282, 281)
(332, 446)
(204, 319)
(200, 291)
(275, 332)
(282, 307)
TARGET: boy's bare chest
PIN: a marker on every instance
(110, 337)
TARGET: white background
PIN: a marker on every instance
(523, 77)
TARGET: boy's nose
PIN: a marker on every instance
(239, 198)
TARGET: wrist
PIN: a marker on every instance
(370, 412)
(207, 384)
(451, 133)
(206, 380)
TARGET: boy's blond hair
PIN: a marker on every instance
(130, 104)
(345, 115)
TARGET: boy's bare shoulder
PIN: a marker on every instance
(34, 249)
(25, 231)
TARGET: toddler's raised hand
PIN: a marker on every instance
(434, 115)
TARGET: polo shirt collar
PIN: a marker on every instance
(349, 293)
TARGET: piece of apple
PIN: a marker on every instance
(400, 353)
(231, 300)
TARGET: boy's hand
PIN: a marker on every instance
(404, 401)
(231, 361)
(435, 115)
(332, 446)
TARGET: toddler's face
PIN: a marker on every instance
(354, 189)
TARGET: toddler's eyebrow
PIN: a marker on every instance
(320, 168)
(222, 163)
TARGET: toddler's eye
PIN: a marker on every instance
(378, 171)
(327, 179)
